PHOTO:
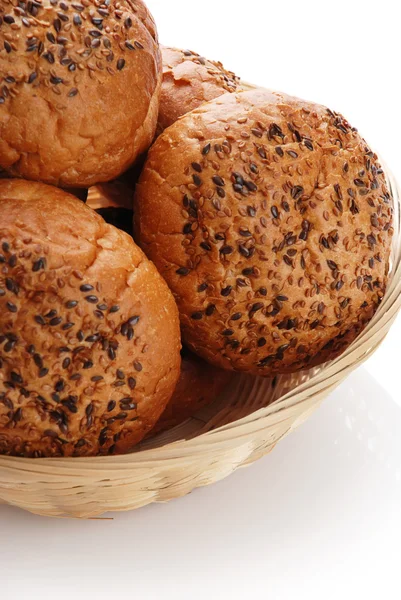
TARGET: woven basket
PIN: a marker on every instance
(240, 427)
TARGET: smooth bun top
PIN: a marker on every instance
(271, 221)
(189, 80)
(80, 85)
(89, 332)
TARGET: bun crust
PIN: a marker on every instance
(271, 221)
(198, 386)
(89, 332)
(189, 80)
(73, 64)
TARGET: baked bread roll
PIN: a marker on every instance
(189, 80)
(89, 332)
(271, 221)
(90, 75)
(198, 386)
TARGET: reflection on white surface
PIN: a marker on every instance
(311, 520)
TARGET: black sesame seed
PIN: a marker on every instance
(183, 271)
(43, 372)
(202, 287)
(71, 304)
(210, 310)
(129, 45)
(92, 299)
(297, 192)
(38, 360)
(252, 187)
(111, 354)
(67, 326)
(197, 316)
(274, 212)
(205, 246)
(111, 406)
(16, 378)
(197, 167)
(56, 321)
(66, 363)
(12, 261)
(120, 64)
(206, 149)
(226, 291)
(132, 383)
(137, 366)
(88, 364)
(86, 287)
(218, 180)
(332, 265)
(73, 91)
(55, 80)
(257, 306)
(226, 250)
(228, 332)
(49, 57)
(39, 264)
(32, 77)
(11, 307)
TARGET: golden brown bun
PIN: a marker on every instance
(89, 332)
(189, 80)
(80, 89)
(198, 386)
(271, 221)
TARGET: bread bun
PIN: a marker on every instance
(271, 221)
(189, 80)
(89, 332)
(198, 386)
(90, 75)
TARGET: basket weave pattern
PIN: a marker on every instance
(252, 416)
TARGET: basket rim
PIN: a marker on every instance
(241, 430)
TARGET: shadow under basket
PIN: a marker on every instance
(240, 427)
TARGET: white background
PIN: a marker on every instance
(320, 518)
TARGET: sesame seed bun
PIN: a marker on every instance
(189, 80)
(198, 386)
(90, 75)
(89, 332)
(271, 221)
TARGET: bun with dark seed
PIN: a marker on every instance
(198, 386)
(189, 80)
(271, 221)
(80, 87)
(89, 332)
